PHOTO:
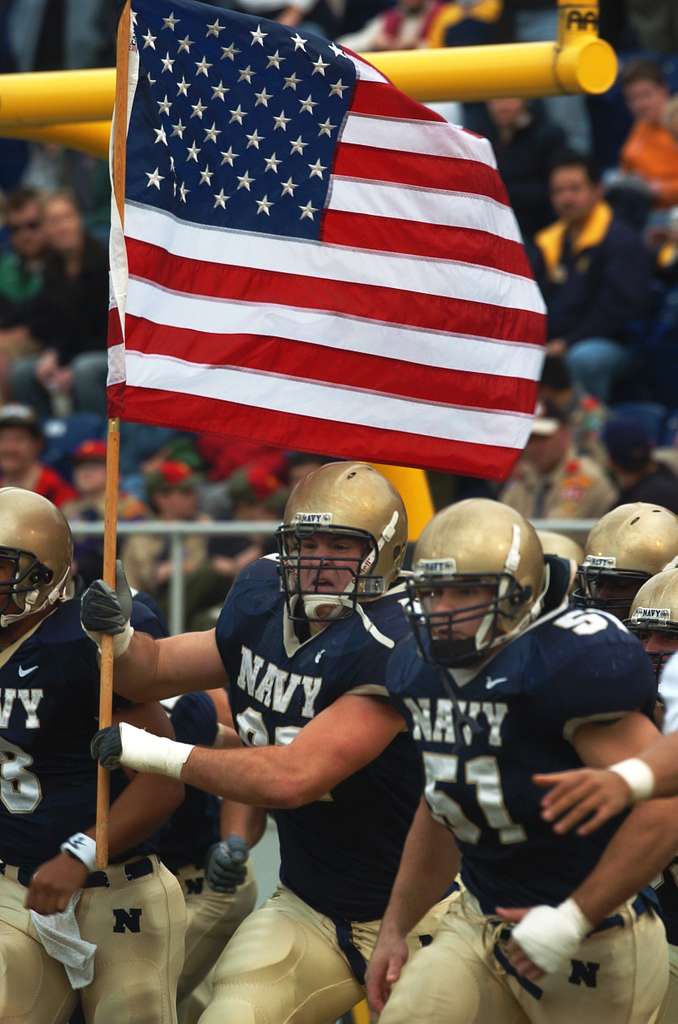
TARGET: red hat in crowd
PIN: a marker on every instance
(90, 451)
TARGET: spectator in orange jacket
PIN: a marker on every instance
(650, 151)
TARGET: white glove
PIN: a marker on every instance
(139, 750)
(550, 936)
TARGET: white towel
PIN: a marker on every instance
(60, 936)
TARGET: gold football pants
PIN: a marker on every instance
(138, 927)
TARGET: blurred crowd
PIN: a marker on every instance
(594, 185)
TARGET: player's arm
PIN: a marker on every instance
(593, 796)
(140, 809)
(336, 743)
(639, 850)
(147, 669)
(429, 862)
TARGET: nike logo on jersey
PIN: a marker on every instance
(319, 656)
(23, 672)
(490, 683)
(434, 720)
(275, 687)
(30, 700)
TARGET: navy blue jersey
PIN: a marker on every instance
(49, 707)
(192, 828)
(341, 853)
(526, 703)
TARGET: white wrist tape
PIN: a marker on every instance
(121, 641)
(550, 936)
(83, 848)
(637, 775)
(144, 752)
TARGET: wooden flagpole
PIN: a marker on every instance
(113, 442)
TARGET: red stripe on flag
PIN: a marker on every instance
(379, 100)
(437, 241)
(391, 305)
(306, 433)
(114, 333)
(302, 361)
(422, 171)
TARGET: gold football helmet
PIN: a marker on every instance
(654, 616)
(343, 539)
(36, 542)
(476, 543)
(624, 548)
(560, 545)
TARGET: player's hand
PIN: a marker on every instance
(585, 793)
(544, 938)
(106, 611)
(385, 966)
(106, 747)
(514, 951)
(225, 866)
(53, 884)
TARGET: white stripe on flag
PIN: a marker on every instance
(432, 138)
(366, 72)
(425, 206)
(337, 404)
(445, 278)
(311, 326)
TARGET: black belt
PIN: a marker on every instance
(98, 879)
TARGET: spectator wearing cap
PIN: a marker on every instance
(89, 480)
(172, 494)
(639, 476)
(21, 442)
(551, 481)
(68, 318)
(594, 273)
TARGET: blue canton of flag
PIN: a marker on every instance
(235, 119)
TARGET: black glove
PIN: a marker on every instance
(106, 747)
(225, 866)
(103, 610)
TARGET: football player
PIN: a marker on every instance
(501, 679)
(304, 639)
(214, 873)
(561, 545)
(624, 548)
(133, 912)
(654, 620)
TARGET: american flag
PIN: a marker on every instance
(311, 259)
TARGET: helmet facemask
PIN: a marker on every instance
(328, 586)
(643, 628)
(598, 584)
(500, 618)
(20, 589)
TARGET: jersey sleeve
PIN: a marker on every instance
(147, 618)
(255, 588)
(602, 677)
(194, 718)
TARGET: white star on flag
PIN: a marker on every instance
(272, 163)
(245, 181)
(164, 105)
(219, 91)
(264, 206)
(288, 187)
(167, 63)
(338, 89)
(206, 176)
(229, 157)
(220, 199)
(183, 192)
(170, 21)
(211, 133)
(262, 98)
(149, 40)
(198, 109)
(291, 82)
(160, 135)
(275, 60)
(280, 121)
(214, 29)
(238, 115)
(308, 211)
(317, 169)
(178, 129)
(203, 67)
(154, 178)
(182, 87)
(229, 52)
(299, 43)
(326, 128)
(258, 36)
(307, 105)
(319, 66)
(298, 146)
(193, 151)
(254, 139)
(185, 44)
